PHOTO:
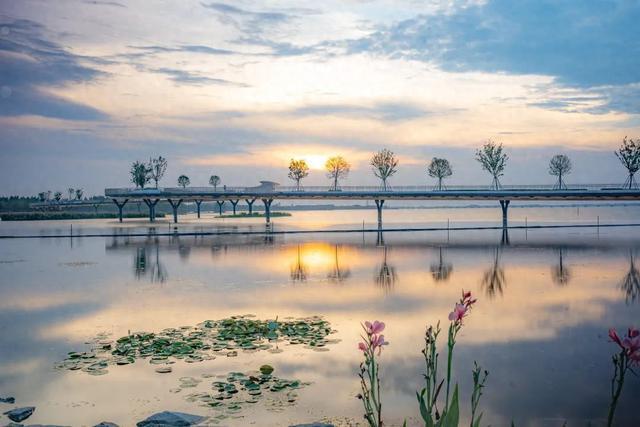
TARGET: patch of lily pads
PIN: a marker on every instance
(205, 341)
(234, 392)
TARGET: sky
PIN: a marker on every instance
(239, 88)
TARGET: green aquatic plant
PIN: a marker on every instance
(623, 361)
(205, 341)
(369, 374)
(234, 391)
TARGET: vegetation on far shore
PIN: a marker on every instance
(45, 216)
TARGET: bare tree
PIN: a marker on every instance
(337, 167)
(385, 165)
(79, 193)
(494, 280)
(42, 196)
(493, 160)
(57, 196)
(183, 181)
(299, 271)
(72, 193)
(561, 274)
(157, 168)
(558, 166)
(386, 275)
(298, 169)
(629, 156)
(441, 169)
(441, 270)
(140, 174)
(214, 180)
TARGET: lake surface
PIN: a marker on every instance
(546, 298)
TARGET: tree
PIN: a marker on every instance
(183, 181)
(157, 168)
(42, 196)
(140, 174)
(71, 192)
(384, 164)
(57, 196)
(337, 167)
(493, 160)
(558, 166)
(79, 193)
(629, 156)
(298, 169)
(214, 180)
(441, 169)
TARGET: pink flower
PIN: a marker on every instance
(374, 328)
(377, 341)
(613, 335)
(458, 313)
(633, 332)
(362, 346)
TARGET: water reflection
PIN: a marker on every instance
(630, 283)
(143, 266)
(339, 272)
(441, 270)
(494, 280)
(385, 276)
(299, 271)
(560, 273)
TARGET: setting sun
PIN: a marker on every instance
(315, 161)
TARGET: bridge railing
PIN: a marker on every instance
(350, 188)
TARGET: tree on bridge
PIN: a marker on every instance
(385, 164)
(298, 169)
(558, 166)
(441, 169)
(140, 174)
(79, 193)
(493, 160)
(72, 193)
(337, 167)
(214, 180)
(57, 196)
(183, 181)
(157, 168)
(629, 156)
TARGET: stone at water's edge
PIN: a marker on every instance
(106, 424)
(20, 414)
(7, 399)
(171, 419)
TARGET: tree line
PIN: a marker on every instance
(384, 163)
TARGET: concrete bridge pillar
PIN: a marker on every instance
(379, 204)
(120, 206)
(175, 206)
(198, 203)
(220, 205)
(267, 209)
(250, 204)
(504, 204)
(234, 203)
(152, 208)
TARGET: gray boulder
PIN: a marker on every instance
(171, 419)
(8, 400)
(20, 414)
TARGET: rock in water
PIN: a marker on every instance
(106, 424)
(20, 414)
(8, 399)
(171, 419)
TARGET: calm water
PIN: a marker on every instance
(546, 301)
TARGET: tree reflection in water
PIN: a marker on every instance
(299, 271)
(338, 274)
(630, 283)
(561, 274)
(441, 270)
(142, 265)
(493, 280)
(386, 276)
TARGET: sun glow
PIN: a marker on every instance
(315, 161)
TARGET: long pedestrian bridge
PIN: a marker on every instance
(268, 193)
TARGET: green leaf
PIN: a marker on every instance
(424, 412)
(476, 423)
(452, 414)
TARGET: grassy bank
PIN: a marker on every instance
(45, 216)
(254, 215)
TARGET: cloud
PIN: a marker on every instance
(186, 48)
(30, 65)
(104, 3)
(245, 18)
(386, 111)
(189, 78)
